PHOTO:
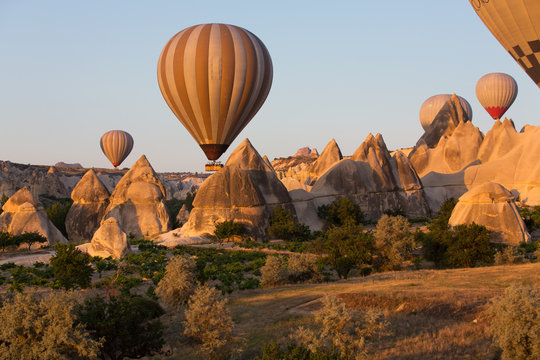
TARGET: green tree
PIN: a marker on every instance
(57, 214)
(6, 240)
(346, 247)
(30, 238)
(127, 324)
(189, 200)
(294, 351)
(274, 271)
(44, 327)
(470, 246)
(3, 200)
(515, 322)
(227, 229)
(340, 212)
(71, 267)
(394, 242)
(282, 225)
(179, 281)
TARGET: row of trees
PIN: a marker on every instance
(7, 240)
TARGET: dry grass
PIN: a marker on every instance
(435, 314)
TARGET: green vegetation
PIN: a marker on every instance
(227, 229)
(3, 200)
(340, 212)
(128, 325)
(515, 322)
(57, 213)
(346, 248)
(178, 283)
(44, 327)
(8, 240)
(71, 267)
(174, 205)
(531, 217)
(394, 242)
(294, 351)
(282, 225)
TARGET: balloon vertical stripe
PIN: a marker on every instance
(214, 77)
(496, 92)
(116, 145)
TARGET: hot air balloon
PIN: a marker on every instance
(431, 107)
(214, 77)
(496, 92)
(116, 145)
(516, 24)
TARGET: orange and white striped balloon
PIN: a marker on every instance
(116, 145)
(214, 77)
(516, 24)
(496, 93)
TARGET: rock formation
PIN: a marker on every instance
(137, 201)
(183, 215)
(23, 213)
(109, 240)
(90, 200)
(306, 151)
(330, 156)
(246, 190)
(493, 206)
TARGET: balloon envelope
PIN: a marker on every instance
(431, 107)
(496, 93)
(516, 24)
(116, 145)
(214, 77)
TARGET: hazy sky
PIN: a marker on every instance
(72, 70)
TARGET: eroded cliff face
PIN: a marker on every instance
(245, 190)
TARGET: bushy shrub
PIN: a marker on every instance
(208, 321)
(340, 212)
(178, 283)
(393, 242)
(127, 324)
(29, 238)
(294, 351)
(282, 225)
(3, 200)
(515, 323)
(339, 328)
(346, 247)
(274, 271)
(44, 327)
(227, 229)
(470, 246)
(71, 267)
(303, 267)
(531, 217)
(6, 240)
(507, 256)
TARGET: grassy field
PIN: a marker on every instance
(433, 314)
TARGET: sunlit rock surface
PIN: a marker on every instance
(109, 240)
(90, 200)
(492, 206)
(23, 213)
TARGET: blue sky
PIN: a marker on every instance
(72, 70)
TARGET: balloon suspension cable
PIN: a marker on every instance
(213, 166)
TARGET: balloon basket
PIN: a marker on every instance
(213, 166)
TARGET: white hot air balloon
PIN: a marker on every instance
(431, 107)
(116, 145)
(496, 93)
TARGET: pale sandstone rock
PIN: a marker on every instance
(90, 200)
(137, 202)
(330, 156)
(109, 240)
(492, 206)
(23, 213)
(183, 215)
(245, 190)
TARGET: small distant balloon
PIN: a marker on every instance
(116, 145)
(431, 107)
(496, 93)
(215, 77)
(516, 25)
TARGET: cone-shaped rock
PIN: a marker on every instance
(183, 215)
(90, 200)
(493, 206)
(137, 201)
(499, 141)
(109, 240)
(448, 118)
(244, 190)
(330, 156)
(23, 213)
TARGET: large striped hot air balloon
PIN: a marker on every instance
(516, 24)
(214, 77)
(496, 93)
(431, 107)
(116, 145)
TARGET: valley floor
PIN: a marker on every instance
(433, 314)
